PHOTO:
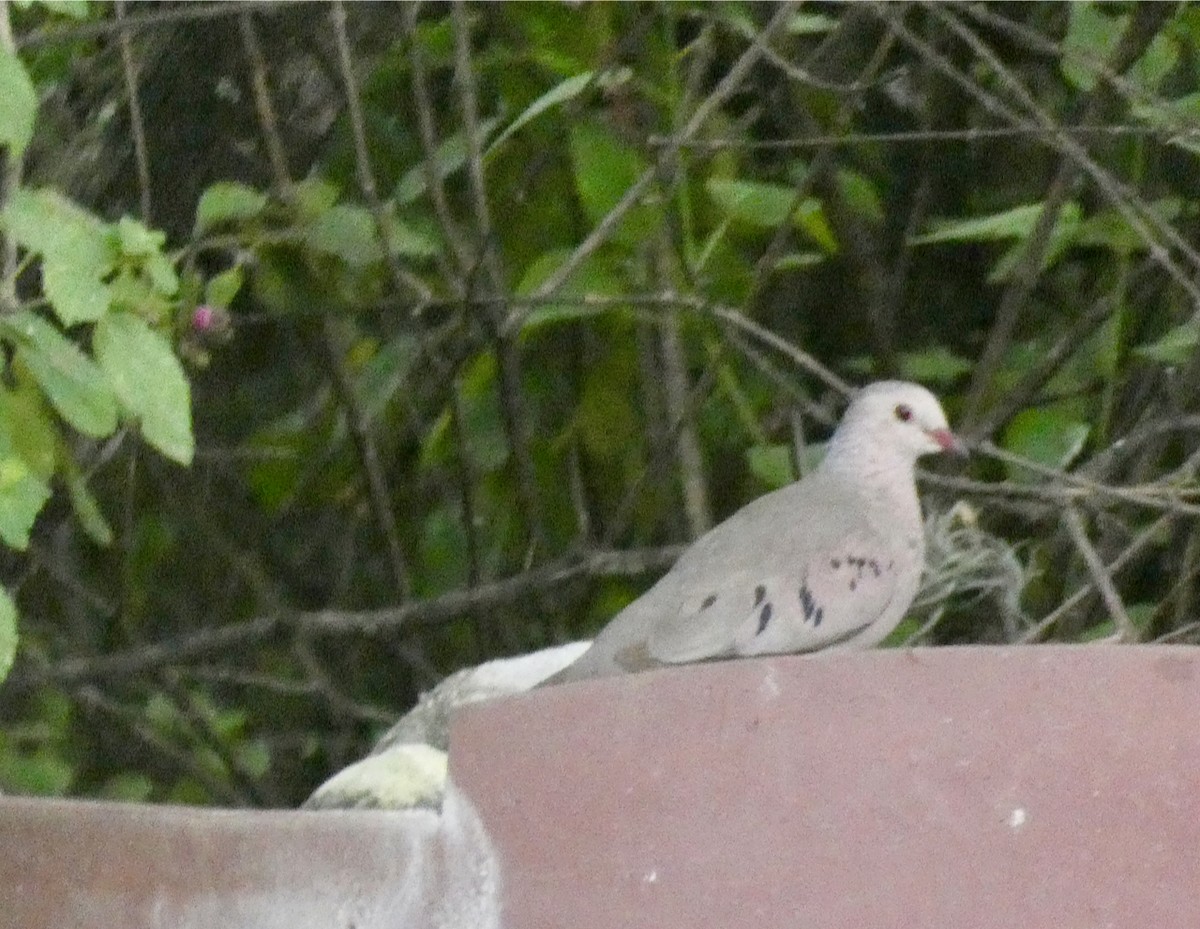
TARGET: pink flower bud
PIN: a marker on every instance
(204, 318)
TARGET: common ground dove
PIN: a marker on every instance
(834, 559)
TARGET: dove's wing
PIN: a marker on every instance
(828, 598)
(799, 569)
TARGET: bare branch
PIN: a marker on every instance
(1126, 631)
(404, 281)
(137, 128)
(508, 350)
(264, 106)
(237, 637)
(368, 456)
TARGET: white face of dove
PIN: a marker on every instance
(903, 419)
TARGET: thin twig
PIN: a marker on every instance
(401, 278)
(60, 34)
(368, 455)
(507, 346)
(433, 179)
(1131, 551)
(197, 725)
(10, 180)
(900, 137)
(136, 125)
(1158, 496)
(1126, 631)
(799, 357)
(1045, 367)
(687, 443)
(264, 106)
(92, 700)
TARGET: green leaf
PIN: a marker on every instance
(449, 157)
(34, 434)
(221, 290)
(409, 241)
(72, 382)
(22, 492)
(1016, 223)
(385, 373)
(810, 217)
(482, 424)
(228, 202)
(856, 189)
(605, 168)
(127, 787)
(349, 233)
(439, 548)
(87, 509)
(1091, 35)
(162, 274)
(72, 9)
(771, 464)
(767, 206)
(798, 261)
(860, 194)
(608, 413)
(1181, 115)
(8, 633)
(1111, 230)
(558, 94)
(1045, 436)
(312, 197)
(149, 382)
(1091, 38)
(76, 249)
(1063, 237)
(1140, 614)
(37, 772)
(137, 239)
(591, 278)
(1176, 347)
(754, 203)
(18, 105)
(937, 365)
(1156, 63)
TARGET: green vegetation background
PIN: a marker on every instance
(344, 347)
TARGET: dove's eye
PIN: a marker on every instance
(903, 412)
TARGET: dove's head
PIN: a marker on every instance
(894, 420)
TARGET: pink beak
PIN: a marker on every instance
(949, 442)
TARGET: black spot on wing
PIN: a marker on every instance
(808, 605)
(835, 563)
(759, 592)
(708, 601)
(764, 617)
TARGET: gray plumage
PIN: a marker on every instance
(832, 560)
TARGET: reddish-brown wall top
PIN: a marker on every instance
(956, 788)
(931, 789)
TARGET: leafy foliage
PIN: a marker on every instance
(563, 280)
